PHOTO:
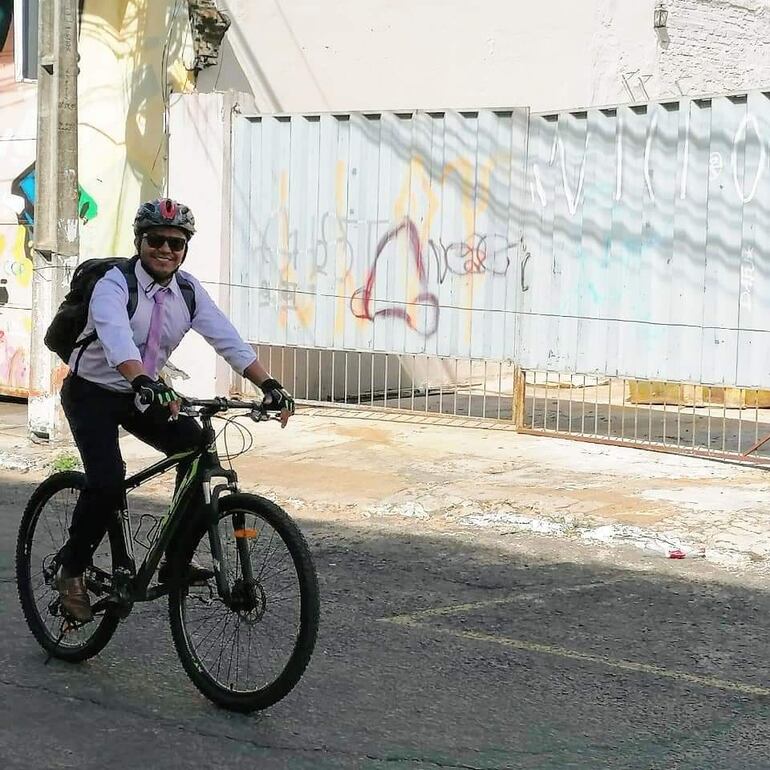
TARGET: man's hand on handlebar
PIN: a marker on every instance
(156, 395)
(277, 399)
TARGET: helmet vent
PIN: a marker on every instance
(168, 208)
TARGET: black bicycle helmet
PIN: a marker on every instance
(163, 212)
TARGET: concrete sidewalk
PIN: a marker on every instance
(332, 463)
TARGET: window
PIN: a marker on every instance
(25, 29)
(22, 39)
(6, 19)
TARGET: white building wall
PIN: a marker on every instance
(199, 159)
(388, 54)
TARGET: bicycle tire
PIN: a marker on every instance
(264, 696)
(102, 629)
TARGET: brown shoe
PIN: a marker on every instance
(197, 574)
(74, 598)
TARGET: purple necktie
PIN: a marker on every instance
(151, 349)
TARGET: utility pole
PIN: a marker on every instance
(56, 227)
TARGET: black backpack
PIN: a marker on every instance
(71, 317)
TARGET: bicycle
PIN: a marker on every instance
(262, 568)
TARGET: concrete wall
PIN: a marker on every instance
(375, 54)
(714, 47)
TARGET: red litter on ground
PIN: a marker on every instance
(677, 553)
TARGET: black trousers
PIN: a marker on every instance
(94, 415)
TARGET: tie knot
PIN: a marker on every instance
(160, 295)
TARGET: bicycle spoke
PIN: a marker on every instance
(233, 640)
(47, 525)
(237, 654)
(268, 556)
(202, 623)
(208, 634)
(248, 657)
(221, 649)
(218, 637)
(200, 629)
(288, 566)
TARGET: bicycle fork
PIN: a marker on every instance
(242, 589)
(211, 502)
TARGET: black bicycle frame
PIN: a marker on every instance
(132, 584)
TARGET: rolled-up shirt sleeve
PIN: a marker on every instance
(110, 318)
(215, 327)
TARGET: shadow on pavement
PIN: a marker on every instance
(474, 651)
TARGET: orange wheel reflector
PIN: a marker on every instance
(248, 533)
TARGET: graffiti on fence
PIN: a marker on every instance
(17, 216)
(428, 262)
(362, 301)
(747, 278)
(745, 179)
(14, 371)
(478, 254)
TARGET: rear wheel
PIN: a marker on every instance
(43, 531)
(248, 653)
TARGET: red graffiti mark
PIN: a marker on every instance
(361, 302)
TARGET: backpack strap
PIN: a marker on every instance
(188, 293)
(128, 269)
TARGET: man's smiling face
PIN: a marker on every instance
(158, 257)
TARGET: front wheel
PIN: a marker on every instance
(248, 652)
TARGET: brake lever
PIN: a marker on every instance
(262, 415)
(258, 415)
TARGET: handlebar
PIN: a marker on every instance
(206, 407)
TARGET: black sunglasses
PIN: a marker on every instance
(155, 241)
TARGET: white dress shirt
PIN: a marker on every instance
(122, 339)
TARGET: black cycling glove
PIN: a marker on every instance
(153, 393)
(277, 398)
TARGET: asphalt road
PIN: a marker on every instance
(436, 650)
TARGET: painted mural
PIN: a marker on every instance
(17, 153)
(133, 53)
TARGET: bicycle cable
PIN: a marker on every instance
(247, 438)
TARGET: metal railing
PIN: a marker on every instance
(699, 420)
(469, 389)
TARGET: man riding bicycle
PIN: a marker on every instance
(114, 380)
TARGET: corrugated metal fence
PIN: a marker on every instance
(649, 236)
(387, 232)
(625, 243)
